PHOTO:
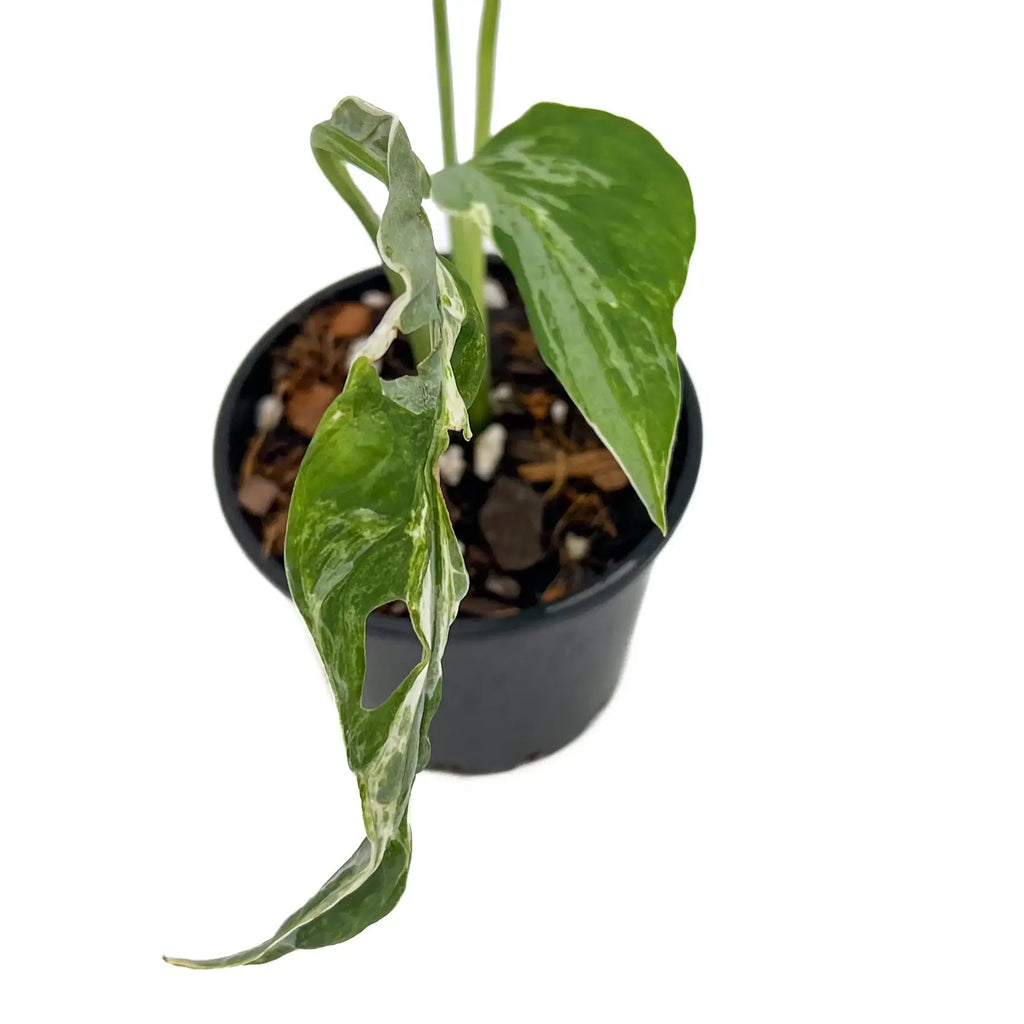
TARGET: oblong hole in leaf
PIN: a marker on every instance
(388, 661)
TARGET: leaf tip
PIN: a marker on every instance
(194, 965)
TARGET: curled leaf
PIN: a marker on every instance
(368, 525)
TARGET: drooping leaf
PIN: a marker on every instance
(368, 525)
(469, 359)
(375, 140)
(596, 222)
(358, 133)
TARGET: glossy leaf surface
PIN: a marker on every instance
(367, 526)
(596, 222)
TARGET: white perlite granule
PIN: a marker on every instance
(494, 294)
(374, 299)
(269, 410)
(576, 547)
(452, 465)
(488, 450)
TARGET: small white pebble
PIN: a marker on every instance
(374, 299)
(576, 547)
(494, 295)
(503, 586)
(462, 547)
(269, 410)
(355, 349)
(559, 411)
(488, 449)
(503, 398)
(452, 465)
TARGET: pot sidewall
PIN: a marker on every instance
(515, 688)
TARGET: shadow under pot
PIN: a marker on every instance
(517, 686)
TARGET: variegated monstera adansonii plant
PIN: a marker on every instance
(596, 222)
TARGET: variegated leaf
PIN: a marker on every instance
(596, 222)
(361, 134)
(368, 525)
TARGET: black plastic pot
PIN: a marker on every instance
(514, 688)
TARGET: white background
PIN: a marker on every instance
(804, 805)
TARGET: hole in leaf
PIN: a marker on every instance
(390, 657)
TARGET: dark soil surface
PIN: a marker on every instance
(557, 512)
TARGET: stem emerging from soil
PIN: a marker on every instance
(467, 241)
(480, 410)
(467, 250)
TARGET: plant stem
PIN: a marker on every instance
(467, 253)
(356, 199)
(485, 58)
(467, 241)
(445, 92)
(480, 410)
(468, 257)
(338, 175)
(361, 207)
(467, 245)
(419, 340)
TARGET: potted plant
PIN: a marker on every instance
(564, 410)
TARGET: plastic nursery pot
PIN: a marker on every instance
(514, 688)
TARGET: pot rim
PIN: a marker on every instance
(575, 604)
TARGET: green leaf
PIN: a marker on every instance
(596, 222)
(359, 133)
(375, 140)
(469, 359)
(368, 525)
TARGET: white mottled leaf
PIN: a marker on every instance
(368, 525)
(596, 222)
